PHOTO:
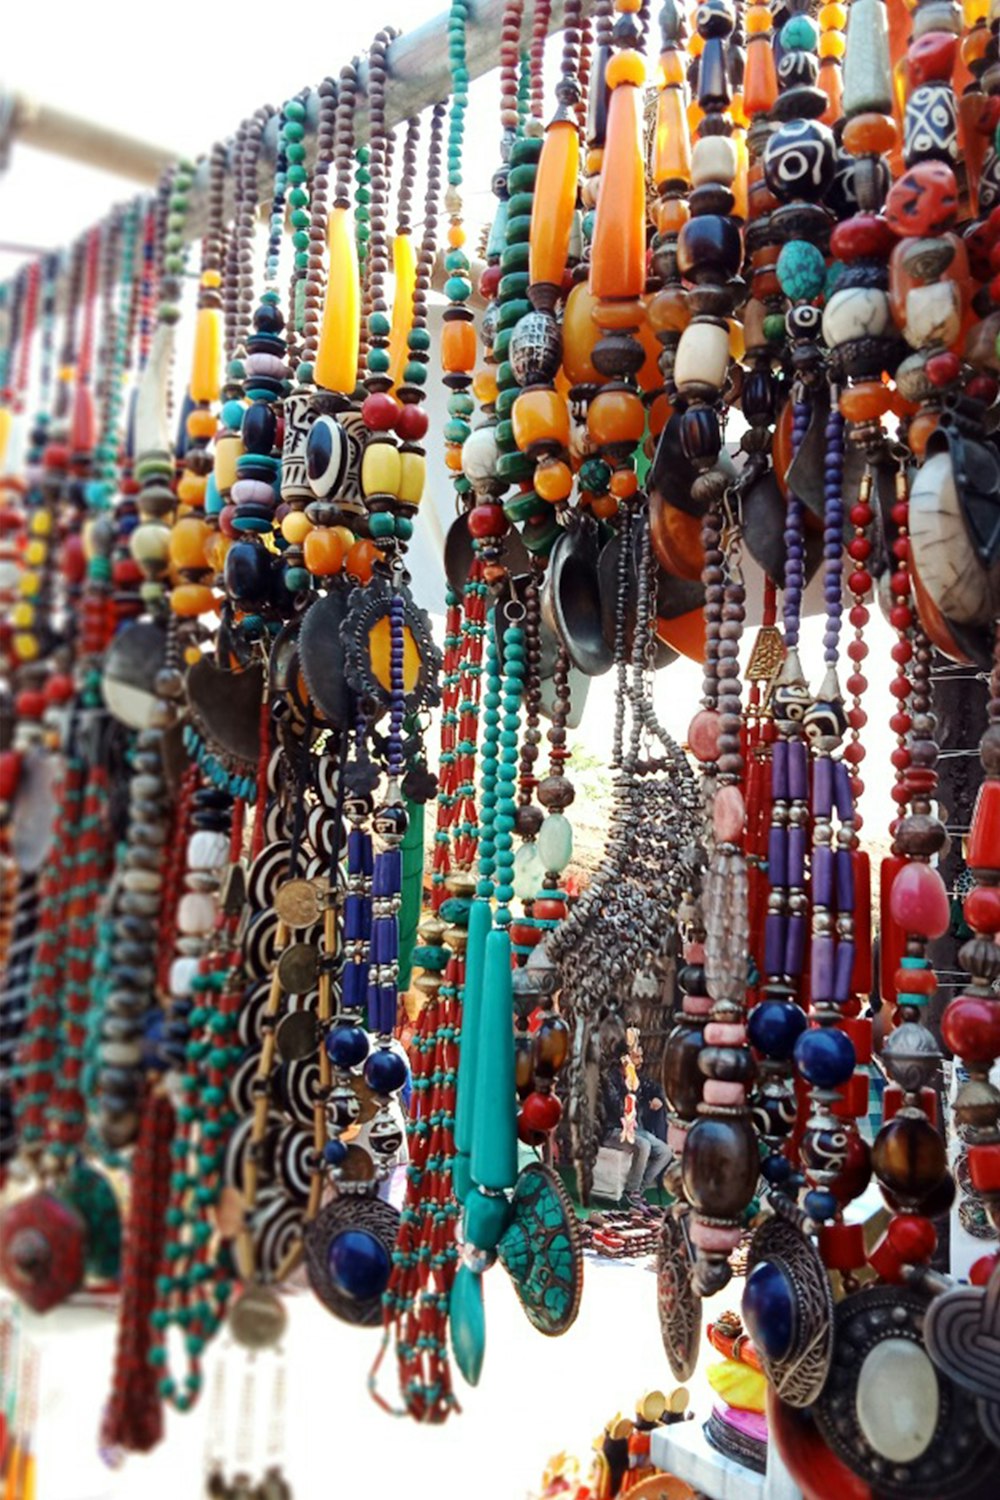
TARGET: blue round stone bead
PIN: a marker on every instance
(774, 1026)
(825, 1058)
(385, 1071)
(347, 1046)
(359, 1264)
(334, 1152)
(769, 1309)
(820, 1204)
(776, 1169)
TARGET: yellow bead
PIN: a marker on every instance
(206, 360)
(336, 364)
(23, 615)
(192, 599)
(833, 16)
(6, 423)
(626, 67)
(404, 267)
(346, 536)
(295, 527)
(215, 551)
(211, 279)
(832, 44)
(29, 585)
(35, 553)
(41, 523)
(191, 656)
(412, 474)
(227, 451)
(381, 470)
(188, 539)
(26, 647)
(191, 488)
(484, 387)
(379, 645)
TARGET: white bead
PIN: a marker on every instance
(713, 159)
(182, 972)
(898, 1401)
(142, 880)
(528, 872)
(703, 355)
(149, 544)
(480, 454)
(933, 314)
(857, 312)
(196, 913)
(207, 850)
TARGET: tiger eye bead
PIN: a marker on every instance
(909, 1157)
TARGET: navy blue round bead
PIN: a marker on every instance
(820, 1204)
(247, 572)
(774, 1026)
(769, 1309)
(776, 1169)
(825, 1057)
(359, 1264)
(334, 1152)
(259, 428)
(385, 1071)
(347, 1046)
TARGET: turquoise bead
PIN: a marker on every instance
(800, 34)
(801, 268)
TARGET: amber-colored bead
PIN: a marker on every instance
(484, 387)
(920, 430)
(626, 67)
(671, 215)
(554, 203)
(623, 483)
(458, 346)
(672, 142)
(760, 80)
(323, 552)
(870, 134)
(909, 1157)
(206, 358)
(685, 633)
(553, 481)
(614, 416)
(604, 507)
(580, 334)
(188, 538)
(618, 251)
(676, 538)
(540, 419)
(865, 401)
(831, 81)
(191, 488)
(361, 560)
(671, 71)
(200, 423)
(758, 19)
(832, 44)
(623, 314)
(659, 415)
(453, 457)
(336, 363)
(456, 236)
(650, 377)
(593, 160)
(833, 16)
(380, 643)
(192, 599)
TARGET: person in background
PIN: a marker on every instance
(651, 1101)
(623, 1128)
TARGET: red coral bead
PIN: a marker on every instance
(942, 369)
(379, 412)
(982, 908)
(863, 237)
(411, 424)
(541, 1111)
(912, 1237)
(488, 520)
(971, 1028)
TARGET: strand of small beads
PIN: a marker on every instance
(458, 335)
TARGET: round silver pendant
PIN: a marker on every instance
(375, 1224)
(795, 1274)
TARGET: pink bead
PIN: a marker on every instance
(721, 1034)
(918, 901)
(676, 1136)
(697, 1005)
(717, 1092)
(703, 735)
(694, 953)
(712, 1237)
(729, 815)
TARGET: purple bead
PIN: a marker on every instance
(822, 876)
(779, 771)
(795, 946)
(354, 918)
(845, 882)
(777, 856)
(842, 792)
(796, 856)
(823, 787)
(774, 943)
(821, 968)
(844, 972)
(798, 771)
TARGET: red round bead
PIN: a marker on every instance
(859, 547)
(30, 704)
(912, 1237)
(412, 422)
(857, 650)
(942, 369)
(982, 908)
(863, 237)
(857, 718)
(10, 772)
(488, 520)
(971, 1028)
(859, 582)
(859, 615)
(59, 688)
(541, 1111)
(489, 282)
(900, 723)
(983, 388)
(982, 1269)
(379, 412)
(856, 684)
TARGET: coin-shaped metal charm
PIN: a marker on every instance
(298, 967)
(297, 903)
(298, 1035)
(257, 1318)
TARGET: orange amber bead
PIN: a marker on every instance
(580, 333)
(671, 215)
(649, 377)
(672, 142)
(188, 539)
(458, 346)
(361, 559)
(554, 203)
(593, 160)
(685, 633)
(614, 416)
(604, 507)
(760, 79)
(192, 599)
(553, 480)
(456, 236)
(484, 387)
(624, 313)
(870, 133)
(626, 66)
(623, 483)
(919, 431)
(618, 251)
(659, 415)
(758, 19)
(831, 81)
(832, 44)
(540, 419)
(671, 71)
(323, 551)
(865, 401)
(453, 456)
(833, 16)
(191, 488)
(200, 423)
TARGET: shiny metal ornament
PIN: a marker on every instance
(321, 655)
(367, 635)
(298, 968)
(678, 1307)
(570, 599)
(225, 710)
(257, 1319)
(297, 1035)
(367, 1216)
(535, 349)
(299, 903)
(928, 1441)
(128, 680)
(962, 1331)
(799, 1374)
(541, 1251)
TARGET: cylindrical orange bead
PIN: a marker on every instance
(336, 364)
(404, 269)
(206, 360)
(188, 539)
(672, 143)
(580, 333)
(618, 251)
(458, 346)
(540, 418)
(554, 203)
(760, 80)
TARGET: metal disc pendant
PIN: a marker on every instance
(257, 1318)
(297, 1035)
(297, 903)
(298, 968)
(924, 1443)
(349, 1249)
(541, 1252)
(677, 1305)
(785, 1271)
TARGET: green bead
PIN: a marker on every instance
(774, 327)
(801, 267)
(379, 324)
(382, 524)
(800, 34)
(415, 373)
(378, 360)
(419, 339)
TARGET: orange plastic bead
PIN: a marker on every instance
(554, 203)
(192, 599)
(200, 423)
(628, 7)
(831, 81)
(974, 46)
(615, 416)
(672, 142)
(604, 507)
(870, 133)
(671, 215)
(553, 481)
(626, 66)
(361, 560)
(540, 419)
(760, 78)
(453, 457)
(671, 71)
(593, 160)
(484, 387)
(580, 334)
(456, 236)
(458, 346)
(624, 314)
(919, 431)
(188, 539)
(833, 16)
(623, 483)
(758, 20)
(685, 633)
(618, 251)
(323, 551)
(659, 415)
(832, 44)
(865, 401)
(191, 488)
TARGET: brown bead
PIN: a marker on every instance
(721, 1165)
(909, 1157)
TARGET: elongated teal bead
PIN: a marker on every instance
(468, 1323)
(494, 1133)
(480, 922)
